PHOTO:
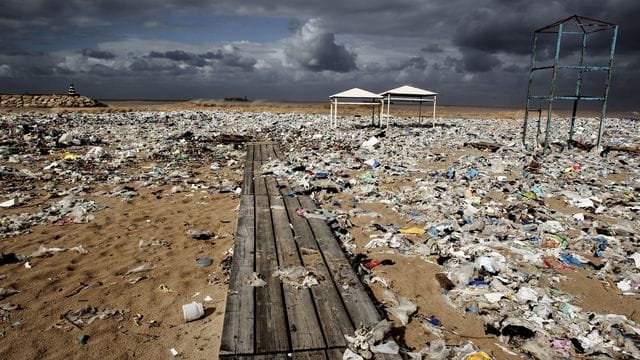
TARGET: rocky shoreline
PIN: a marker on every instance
(47, 101)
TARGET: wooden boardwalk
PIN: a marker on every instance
(280, 321)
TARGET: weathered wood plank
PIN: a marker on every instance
(304, 326)
(278, 152)
(257, 153)
(272, 334)
(309, 355)
(331, 311)
(259, 187)
(265, 153)
(335, 354)
(238, 330)
(271, 151)
(247, 179)
(271, 357)
(356, 300)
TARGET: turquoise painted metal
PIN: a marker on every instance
(576, 26)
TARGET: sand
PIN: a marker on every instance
(151, 321)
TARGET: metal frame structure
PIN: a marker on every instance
(408, 93)
(579, 26)
(355, 96)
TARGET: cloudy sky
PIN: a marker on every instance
(472, 52)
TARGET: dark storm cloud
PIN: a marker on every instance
(479, 61)
(315, 49)
(432, 48)
(227, 58)
(484, 45)
(98, 54)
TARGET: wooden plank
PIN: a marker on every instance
(272, 334)
(257, 153)
(247, 185)
(278, 151)
(309, 355)
(355, 298)
(271, 151)
(264, 149)
(304, 326)
(259, 187)
(335, 354)
(333, 316)
(271, 357)
(238, 329)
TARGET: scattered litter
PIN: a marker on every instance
(141, 268)
(45, 251)
(200, 235)
(192, 311)
(399, 306)
(204, 262)
(298, 276)
(256, 280)
(165, 289)
(366, 342)
(87, 315)
(4, 292)
(83, 339)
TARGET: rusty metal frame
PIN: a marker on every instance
(579, 26)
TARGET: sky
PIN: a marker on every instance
(472, 52)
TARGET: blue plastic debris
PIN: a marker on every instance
(473, 173)
(478, 283)
(569, 259)
(601, 246)
(321, 175)
(433, 321)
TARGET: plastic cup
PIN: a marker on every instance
(192, 311)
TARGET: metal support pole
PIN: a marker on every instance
(552, 93)
(433, 117)
(526, 110)
(388, 108)
(606, 87)
(539, 121)
(578, 87)
(420, 112)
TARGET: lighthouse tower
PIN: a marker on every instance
(72, 90)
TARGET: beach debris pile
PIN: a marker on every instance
(505, 226)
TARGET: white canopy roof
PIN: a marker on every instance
(408, 91)
(356, 93)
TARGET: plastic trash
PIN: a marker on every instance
(256, 281)
(371, 143)
(200, 234)
(4, 292)
(192, 311)
(412, 230)
(204, 262)
(45, 251)
(141, 268)
(298, 276)
(479, 355)
(399, 306)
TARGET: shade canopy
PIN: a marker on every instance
(356, 93)
(408, 93)
(355, 96)
(407, 90)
